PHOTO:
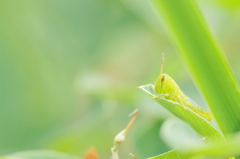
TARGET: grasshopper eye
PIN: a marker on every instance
(163, 78)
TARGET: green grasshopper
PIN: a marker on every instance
(166, 87)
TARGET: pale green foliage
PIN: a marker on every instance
(170, 155)
(40, 154)
(220, 150)
(11, 158)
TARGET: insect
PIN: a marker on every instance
(167, 87)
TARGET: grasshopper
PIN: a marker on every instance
(166, 87)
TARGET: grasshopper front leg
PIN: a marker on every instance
(161, 95)
(151, 85)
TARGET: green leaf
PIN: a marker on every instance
(177, 133)
(11, 158)
(232, 5)
(171, 154)
(199, 124)
(224, 149)
(40, 154)
(204, 59)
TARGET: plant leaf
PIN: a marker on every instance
(224, 149)
(40, 154)
(199, 124)
(171, 154)
(12, 158)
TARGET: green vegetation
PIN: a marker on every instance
(69, 71)
(209, 69)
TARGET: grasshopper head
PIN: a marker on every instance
(160, 83)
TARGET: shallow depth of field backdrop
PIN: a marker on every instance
(69, 71)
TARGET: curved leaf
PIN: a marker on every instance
(199, 124)
(171, 154)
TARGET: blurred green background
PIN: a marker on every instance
(69, 71)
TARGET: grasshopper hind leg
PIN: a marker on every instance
(181, 103)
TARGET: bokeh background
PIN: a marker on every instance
(69, 71)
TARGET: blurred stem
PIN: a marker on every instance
(204, 60)
(133, 156)
(120, 137)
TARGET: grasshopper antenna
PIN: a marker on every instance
(162, 65)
